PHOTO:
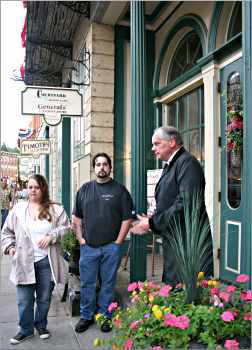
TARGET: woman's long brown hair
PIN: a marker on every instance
(45, 203)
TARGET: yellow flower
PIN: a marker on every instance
(201, 275)
(117, 317)
(155, 308)
(215, 283)
(96, 342)
(210, 283)
(134, 293)
(98, 316)
(158, 314)
(167, 309)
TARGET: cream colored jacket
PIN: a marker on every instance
(16, 232)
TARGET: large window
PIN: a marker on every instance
(187, 114)
(186, 55)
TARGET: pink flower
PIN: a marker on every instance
(164, 291)
(247, 316)
(204, 283)
(134, 325)
(231, 289)
(225, 296)
(231, 345)
(182, 322)
(140, 285)
(214, 291)
(117, 323)
(179, 286)
(242, 278)
(246, 296)
(156, 348)
(132, 286)
(227, 316)
(128, 344)
(112, 307)
(170, 320)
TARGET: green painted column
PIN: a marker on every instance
(47, 156)
(247, 57)
(66, 164)
(138, 139)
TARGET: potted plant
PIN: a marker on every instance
(198, 312)
(71, 248)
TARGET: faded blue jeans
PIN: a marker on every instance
(26, 298)
(106, 259)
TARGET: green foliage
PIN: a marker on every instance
(69, 242)
(191, 242)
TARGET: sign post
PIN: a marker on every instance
(52, 103)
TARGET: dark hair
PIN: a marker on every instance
(45, 200)
(102, 154)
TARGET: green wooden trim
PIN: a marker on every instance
(192, 21)
(138, 136)
(122, 34)
(66, 164)
(47, 156)
(214, 25)
(225, 50)
(169, 17)
(247, 57)
(150, 109)
(157, 11)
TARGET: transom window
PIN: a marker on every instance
(186, 55)
(187, 115)
(235, 26)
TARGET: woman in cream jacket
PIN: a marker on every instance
(31, 236)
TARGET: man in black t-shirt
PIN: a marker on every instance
(101, 218)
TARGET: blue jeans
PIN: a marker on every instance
(26, 298)
(106, 259)
(4, 213)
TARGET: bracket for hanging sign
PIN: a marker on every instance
(52, 103)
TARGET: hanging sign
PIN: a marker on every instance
(52, 103)
(35, 147)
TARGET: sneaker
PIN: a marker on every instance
(106, 326)
(19, 338)
(83, 325)
(43, 333)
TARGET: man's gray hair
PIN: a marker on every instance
(169, 132)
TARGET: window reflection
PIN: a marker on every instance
(234, 139)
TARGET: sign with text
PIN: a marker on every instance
(152, 179)
(35, 147)
(52, 103)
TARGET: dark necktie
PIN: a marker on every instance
(165, 169)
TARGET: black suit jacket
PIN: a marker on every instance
(183, 177)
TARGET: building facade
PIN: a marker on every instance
(140, 65)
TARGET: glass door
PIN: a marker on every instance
(232, 191)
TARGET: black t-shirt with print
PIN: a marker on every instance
(102, 208)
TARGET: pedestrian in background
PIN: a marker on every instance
(5, 198)
(102, 215)
(31, 236)
(182, 175)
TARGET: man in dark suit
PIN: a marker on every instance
(182, 176)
